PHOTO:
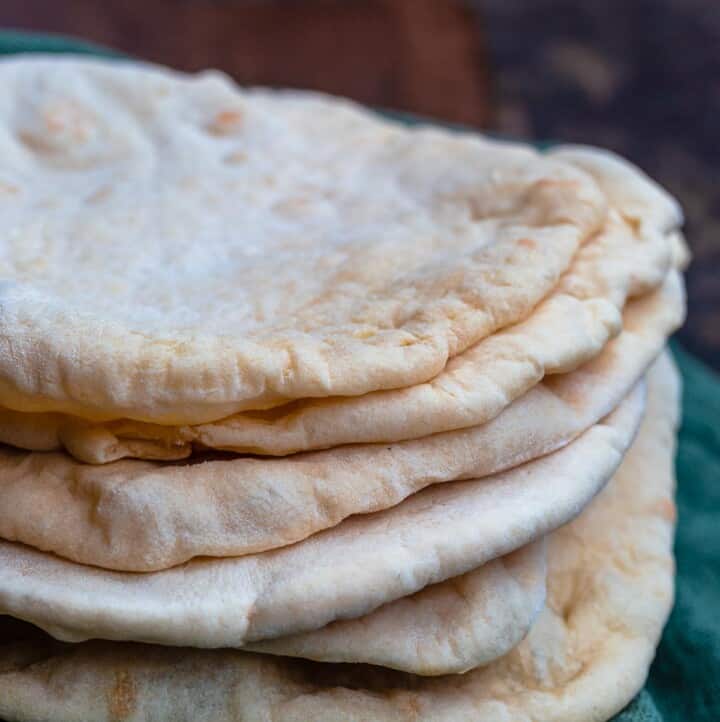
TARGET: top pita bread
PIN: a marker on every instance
(628, 258)
(176, 249)
(610, 588)
(566, 330)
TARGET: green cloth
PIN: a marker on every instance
(12, 42)
(684, 682)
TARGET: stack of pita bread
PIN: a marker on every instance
(308, 415)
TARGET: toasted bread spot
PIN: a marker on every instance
(666, 509)
(99, 195)
(236, 157)
(225, 122)
(70, 121)
(123, 697)
(8, 188)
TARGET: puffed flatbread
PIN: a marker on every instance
(145, 516)
(446, 628)
(610, 586)
(177, 249)
(629, 258)
(345, 572)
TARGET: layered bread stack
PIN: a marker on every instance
(308, 415)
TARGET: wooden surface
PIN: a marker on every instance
(591, 72)
(383, 52)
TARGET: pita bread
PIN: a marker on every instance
(234, 249)
(449, 627)
(146, 516)
(681, 251)
(446, 628)
(639, 199)
(345, 572)
(629, 258)
(610, 592)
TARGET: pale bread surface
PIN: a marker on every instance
(143, 516)
(447, 628)
(630, 257)
(345, 572)
(610, 584)
(176, 249)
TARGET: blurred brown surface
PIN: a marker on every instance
(382, 52)
(595, 72)
(641, 78)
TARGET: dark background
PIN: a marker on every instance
(639, 76)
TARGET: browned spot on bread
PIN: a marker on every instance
(29, 140)
(527, 243)
(666, 509)
(411, 706)
(227, 121)
(123, 697)
(293, 206)
(236, 157)
(555, 182)
(100, 194)
(68, 119)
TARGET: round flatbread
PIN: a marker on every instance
(176, 249)
(610, 587)
(628, 258)
(145, 516)
(447, 628)
(344, 572)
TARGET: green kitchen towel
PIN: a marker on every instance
(12, 42)
(684, 682)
